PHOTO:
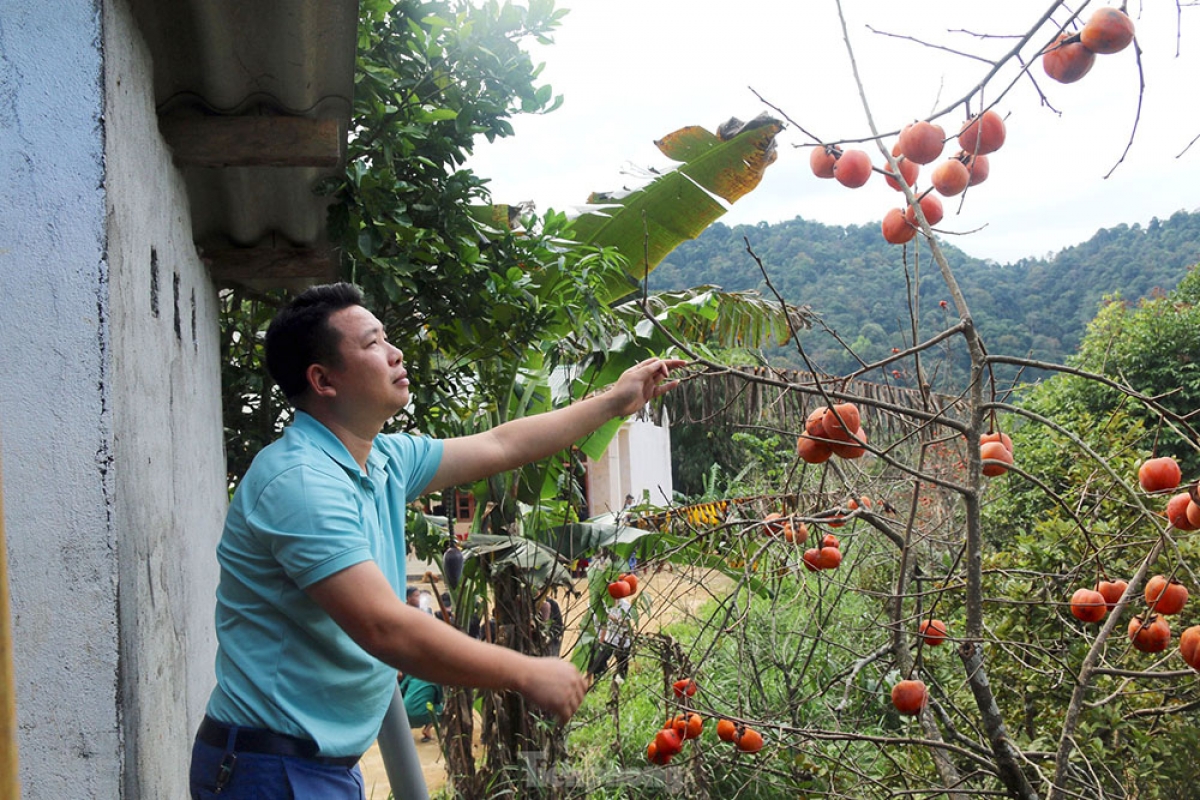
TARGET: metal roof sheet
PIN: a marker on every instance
(254, 58)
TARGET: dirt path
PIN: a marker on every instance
(673, 595)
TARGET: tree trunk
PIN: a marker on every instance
(1006, 755)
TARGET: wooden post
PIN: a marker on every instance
(10, 786)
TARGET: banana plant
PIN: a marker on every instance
(617, 241)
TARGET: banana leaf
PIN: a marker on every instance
(538, 564)
(646, 224)
(578, 539)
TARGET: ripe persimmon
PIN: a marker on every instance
(841, 420)
(910, 697)
(1177, 512)
(632, 580)
(829, 540)
(1066, 60)
(922, 141)
(693, 726)
(977, 166)
(950, 177)
(655, 757)
(814, 423)
(932, 631)
(909, 170)
(829, 558)
(684, 686)
(1189, 647)
(619, 589)
(1151, 635)
(1112, 591)
(773, 523)
(931, 207)
(1108, 30)
(851, 449)
(669, 742)
(749, 740)
(1165, 595)
(726, 730)
(1087, 605)
(1193, 514)
(1159, 474)
(997, 436)
(853, 504)
(982, 134)
(795, 531)
(896, 229)
(813, 451)
(995, 452)
(812, 558)
(853, 169)
(822, 160)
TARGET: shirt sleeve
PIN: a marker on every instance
(418, 458)
(312, 522)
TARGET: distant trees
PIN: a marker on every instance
(1038, 307)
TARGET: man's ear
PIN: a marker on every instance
(318, 381)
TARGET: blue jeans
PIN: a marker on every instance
(255, 776)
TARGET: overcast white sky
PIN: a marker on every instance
(632, 71)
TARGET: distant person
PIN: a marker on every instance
(448, 616)
(551, 615)
(412, 596)
(426, 602)
(423, 702)
(616, 638)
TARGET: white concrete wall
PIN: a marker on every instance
(109, 421)
(637, 462)
(169, 495)
(56, 399)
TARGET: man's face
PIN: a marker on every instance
(414, 599)
(371, 377)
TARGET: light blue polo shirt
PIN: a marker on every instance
(303, 512)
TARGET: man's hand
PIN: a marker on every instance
(642, 383)
(555, 686)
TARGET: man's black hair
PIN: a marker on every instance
(300, 335)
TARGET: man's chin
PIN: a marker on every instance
(402, 402)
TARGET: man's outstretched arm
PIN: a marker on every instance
(521, 441)
(362, 602)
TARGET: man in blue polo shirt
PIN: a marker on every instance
(311, 627)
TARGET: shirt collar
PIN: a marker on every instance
(325, 439)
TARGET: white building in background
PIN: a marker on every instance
(636, 465)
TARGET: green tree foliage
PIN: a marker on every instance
(431, 76)
(1079, 518)
(1152, 347)
(450, 281)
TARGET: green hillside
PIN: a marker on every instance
(857, 285)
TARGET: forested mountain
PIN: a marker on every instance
(856, 284)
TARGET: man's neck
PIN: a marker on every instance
(358, 439)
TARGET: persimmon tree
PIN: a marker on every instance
(991, 509)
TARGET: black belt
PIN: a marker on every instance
(258, 740)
